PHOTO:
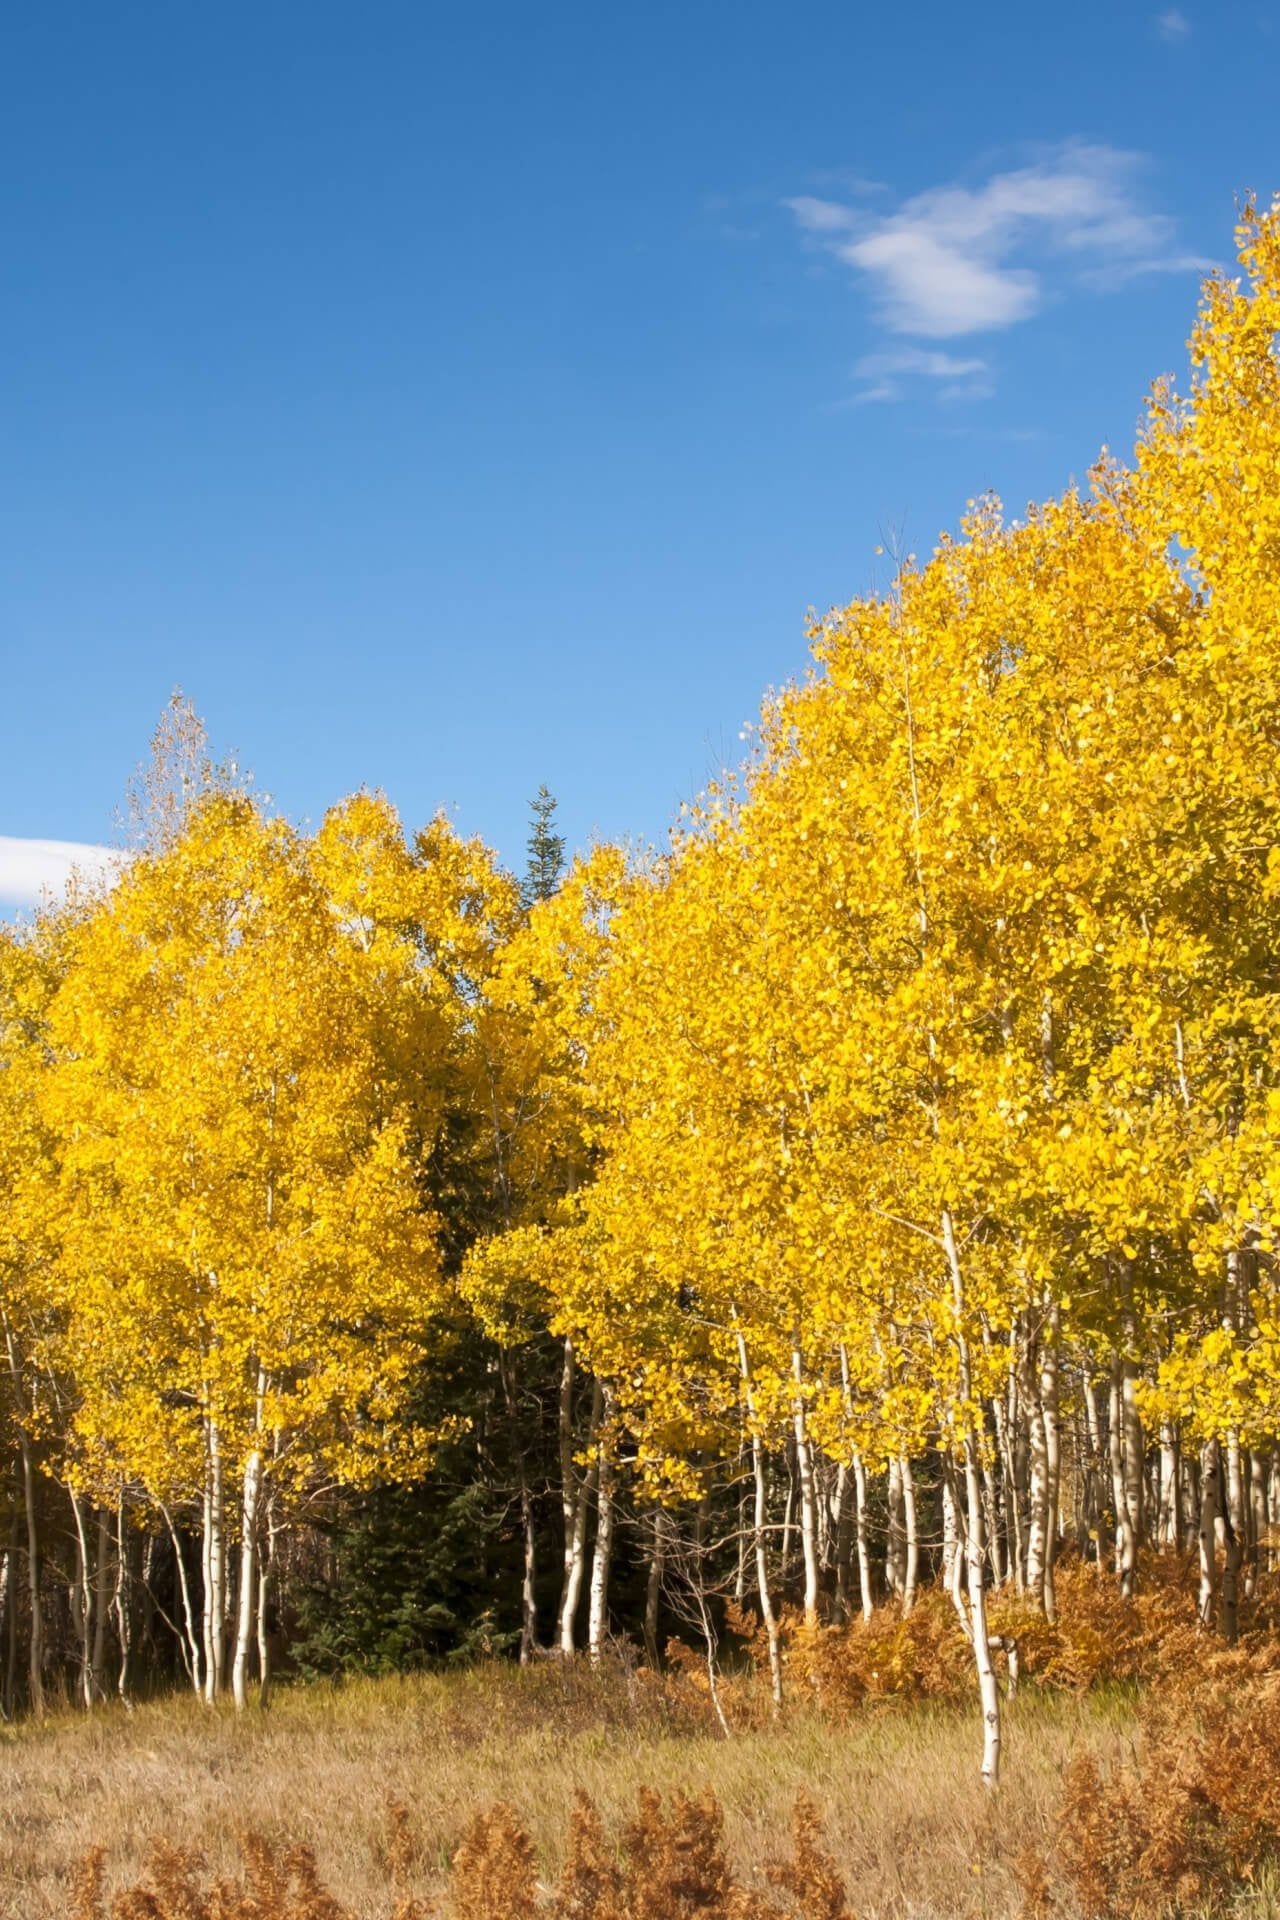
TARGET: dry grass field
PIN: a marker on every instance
(895, 1786)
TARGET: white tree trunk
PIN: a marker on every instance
(602, 1556)
(214, 1568)
(865, 1590)
(808, 1503)
(247, 1593)
(911, 1563)
(578, 1504)
(1049, 1414)
(1236, 1521)
(194, 1650)
(1169, 1525)
(1038, 1476)
(988, 1685)
(767, 1613)
(1208, 1530)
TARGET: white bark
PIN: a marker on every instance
(808, 1504)
(1235, 1518)
(577, 1506)
(911, 1563)
(602, 1555)
(761, 1515)
(1257, 1519)
(1049, 1415)
(247, 1592)
(1208, 1531)
(860, 1534)
(1169, 1525)
(120, 1604)
(82, 1601)
(214, 1567)
(1038, 1476)
(988, 1685)
(194, 1649)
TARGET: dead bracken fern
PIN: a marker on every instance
(670, 1864)
(810, 1877)
(591, 1883)
(275, 1885)
(1194, 1816)
(494, 1870)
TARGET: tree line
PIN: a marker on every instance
(878, 1184)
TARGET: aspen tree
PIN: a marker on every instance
(250, 1267)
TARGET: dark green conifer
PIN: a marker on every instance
(546, 850)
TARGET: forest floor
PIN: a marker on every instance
(895, 1785)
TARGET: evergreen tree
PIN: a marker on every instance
(546, 850)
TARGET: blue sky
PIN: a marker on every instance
(457, 398)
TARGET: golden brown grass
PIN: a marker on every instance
(572, 1794)
(895, 1788)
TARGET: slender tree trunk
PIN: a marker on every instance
(843, 1543)
(1208, 1530)
(988, 1684)
(993, 1532)
(911, 1562)
(529, 1579)
(1134, 1464)
(579, 1503)
(82, 1593)
(1006, 1418)
(266, 1570)
(1234, 1523)
(8, 1619)
(1126, 1534)
(101, 1604)
(194, 1650)
(1134, 1451)
(248, 1587)
(761, 1517)
(808, 1503)
(529, 1575)
(895, 1552)
(653, 1583)
(1093, 1487)
(953, 1549)
(35, 1649)
(35, 1642)
(9, 1700)
(602, 1556)
(215, 1568)
(1258, 1523)
(1169, 1524)
(121, 1603)
(1038, 1476)
(865, 1590)
(1049, 1414)
(788, 1523)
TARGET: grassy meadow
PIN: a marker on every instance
(896, 1786)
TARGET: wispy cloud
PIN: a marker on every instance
(33, 869)
(959, 260)
(884, 373)
(1173, 24)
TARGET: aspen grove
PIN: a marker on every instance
(879, 1188)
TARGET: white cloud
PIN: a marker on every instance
(31, 869)
(1173, 24)
(958, 260)
(884, 372)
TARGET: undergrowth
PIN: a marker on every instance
(669, 1863)
(1142, 1782)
